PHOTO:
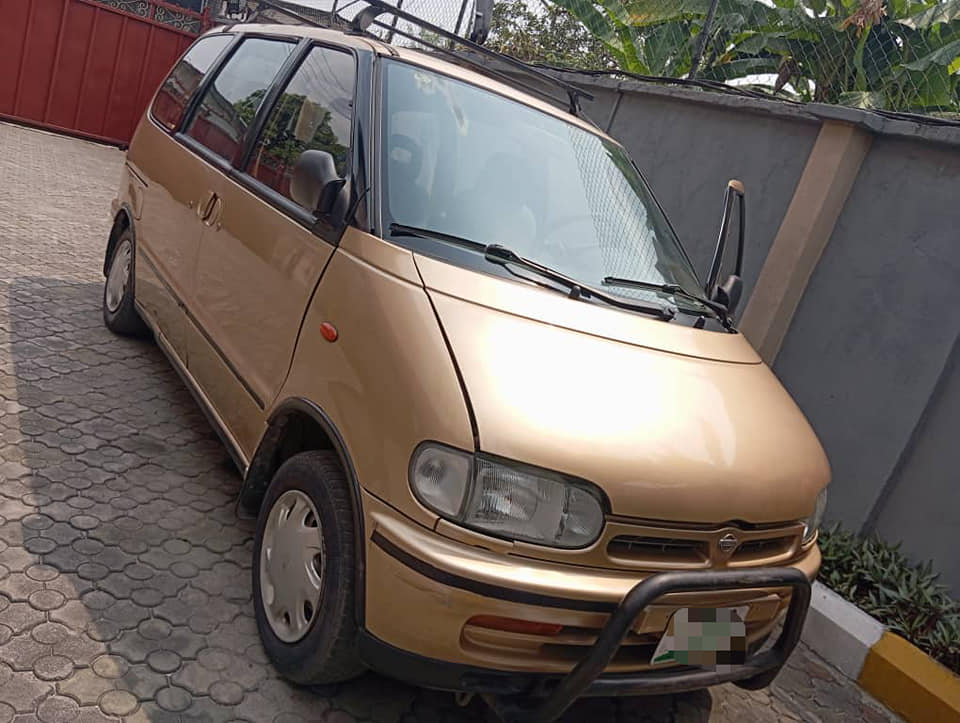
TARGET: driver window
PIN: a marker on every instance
(314, 112)
(412, 157)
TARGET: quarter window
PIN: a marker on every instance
(232, 100)
(313, 113)
(185, 78)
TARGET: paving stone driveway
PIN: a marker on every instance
(124, 575)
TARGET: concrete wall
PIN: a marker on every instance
(922, 498)
(689, 149)
(873, 332)
(871, 351)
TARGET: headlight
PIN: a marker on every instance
(505, 499)
(440, 476)
(812, 523)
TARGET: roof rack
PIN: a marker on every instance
(375, 8)
(283, 8)
(370, 16)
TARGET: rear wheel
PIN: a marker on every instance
(304, 583)
(119, 313)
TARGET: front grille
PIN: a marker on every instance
(762, 548)
(659, 549)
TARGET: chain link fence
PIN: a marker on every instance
(877, 54)
(454, 16)
(892, 56)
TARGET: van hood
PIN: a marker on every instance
(673, 423)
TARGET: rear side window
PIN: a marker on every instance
(314, 112)
(232, 100)
(185, 78)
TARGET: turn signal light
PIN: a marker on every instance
(514, 625)
(329, 331)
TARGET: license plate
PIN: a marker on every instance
(704, 637)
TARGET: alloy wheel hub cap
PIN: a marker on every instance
(291, 566)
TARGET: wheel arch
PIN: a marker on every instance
(122, 221)
(299, 425)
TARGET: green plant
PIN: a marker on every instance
(878, 578)
(884, 54)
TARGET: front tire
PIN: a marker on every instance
(119, 313)
(304, 572)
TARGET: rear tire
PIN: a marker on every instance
(119, 312)
(305, 541)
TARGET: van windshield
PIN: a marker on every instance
(466, 162)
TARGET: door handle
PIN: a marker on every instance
(212, 219)
(203, 205)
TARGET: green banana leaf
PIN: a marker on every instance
(942, 12)
(943, 56)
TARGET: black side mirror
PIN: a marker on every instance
(730, 291)
(315, 184)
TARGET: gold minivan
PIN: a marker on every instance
(502, 438)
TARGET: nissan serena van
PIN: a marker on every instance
(501, 437)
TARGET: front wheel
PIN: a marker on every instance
(304, 571)
(119, 313)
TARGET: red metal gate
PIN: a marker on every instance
(88, 67)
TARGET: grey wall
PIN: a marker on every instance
(688, 150)
(922, 500)
(881, 312)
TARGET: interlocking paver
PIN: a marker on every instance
(124, 575)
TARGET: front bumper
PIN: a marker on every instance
(534, 698)
(423, 589)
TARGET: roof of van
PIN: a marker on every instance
(426, 60)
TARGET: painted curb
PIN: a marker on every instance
(840, 632)
(892, 670)
(910, 682)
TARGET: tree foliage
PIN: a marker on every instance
(280, 142)
(888, 54)
(546, 33)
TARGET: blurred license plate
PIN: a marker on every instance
(704, 636)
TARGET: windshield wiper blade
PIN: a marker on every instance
(675, 289)
(497, 254)
(399, 229)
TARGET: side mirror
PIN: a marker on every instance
(730, 291)
(315, 184)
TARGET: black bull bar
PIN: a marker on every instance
(586, 678)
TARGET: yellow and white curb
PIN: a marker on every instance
(885, 665)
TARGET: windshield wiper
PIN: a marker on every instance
(399, 229)
(719, 309)
(501, 255)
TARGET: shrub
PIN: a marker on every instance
(907, 598)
